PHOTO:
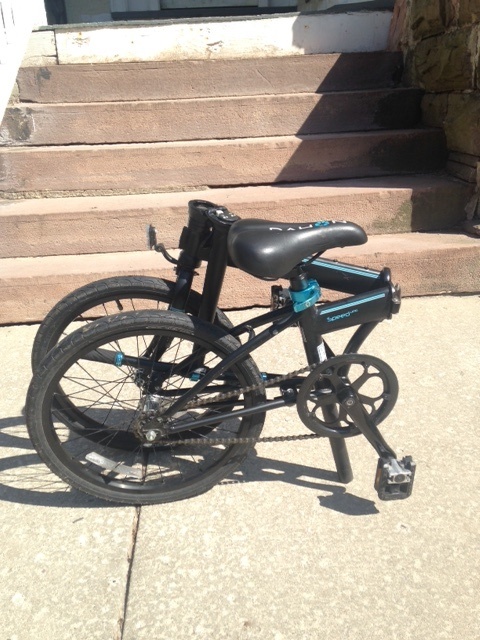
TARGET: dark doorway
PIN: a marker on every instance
(201, 12)
(56, 11)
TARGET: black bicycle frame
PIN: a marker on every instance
(313, 321)
(347, 278)
(374, 299)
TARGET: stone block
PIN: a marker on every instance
(103, 224)
(444, 63)
(426, 18)
(461, 12)
(452, 8)
(469, 12)
(461, 171)
(475, 43)
(462, 123)
(15, 95)
(173, 166)
(212, 118)
(187, 79)
(434, 109)
(464, 158)
(41, 50)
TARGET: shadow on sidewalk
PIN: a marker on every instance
(260, 469)
(24, 479)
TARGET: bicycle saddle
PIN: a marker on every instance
(272, 249)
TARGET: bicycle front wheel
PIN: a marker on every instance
(108, 374)
(107, 297)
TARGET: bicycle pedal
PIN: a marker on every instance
(394, 478)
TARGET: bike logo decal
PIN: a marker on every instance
(342, 315)
(314, 225)
(353, 304)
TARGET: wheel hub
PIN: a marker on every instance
(149, 425)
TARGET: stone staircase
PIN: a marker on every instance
(93, 153)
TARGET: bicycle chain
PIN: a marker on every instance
(232, 394)
(254, 387)
(230, 441)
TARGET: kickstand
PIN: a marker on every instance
(342, 460)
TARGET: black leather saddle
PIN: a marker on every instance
(272, 249)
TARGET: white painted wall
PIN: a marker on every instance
(17, 19)
(278, 35)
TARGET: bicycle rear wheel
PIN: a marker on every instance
(107, 297)
(106, 453)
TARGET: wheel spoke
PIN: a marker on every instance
(96, 415)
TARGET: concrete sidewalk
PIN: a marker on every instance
(282, 552)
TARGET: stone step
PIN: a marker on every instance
(210, 118)
(103, 224)
(423, 263)
(225, 38)
(139, 81)
(162, 166)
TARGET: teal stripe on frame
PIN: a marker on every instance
(353, 304)
(335, 267)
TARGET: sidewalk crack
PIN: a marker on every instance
(130, 559)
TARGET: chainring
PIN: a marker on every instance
(374, 382)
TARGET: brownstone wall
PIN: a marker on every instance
(441, 44)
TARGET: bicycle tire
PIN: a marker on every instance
(179, 471)
(91, 300)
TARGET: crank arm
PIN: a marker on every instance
(355, 409)
(394, 478)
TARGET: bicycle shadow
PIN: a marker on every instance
(261, 469)
(24, 479)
